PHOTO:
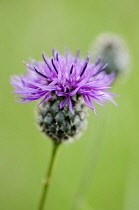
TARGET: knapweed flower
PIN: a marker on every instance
(113, 50)
(64, 85)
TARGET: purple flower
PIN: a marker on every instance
(66, 76)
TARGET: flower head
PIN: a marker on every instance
(65, 76)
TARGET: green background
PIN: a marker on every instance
(100, 171)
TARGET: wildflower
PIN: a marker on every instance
(64, 85)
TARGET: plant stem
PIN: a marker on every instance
(48, 176)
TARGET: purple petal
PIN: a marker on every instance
(70, 105)
(63, 103)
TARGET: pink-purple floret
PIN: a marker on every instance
(66, 76)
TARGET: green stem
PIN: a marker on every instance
(47, 180)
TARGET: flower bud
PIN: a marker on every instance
(111, 49)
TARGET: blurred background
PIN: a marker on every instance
(100, 171)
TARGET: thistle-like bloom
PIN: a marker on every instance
(64, 76)
(64, 84)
